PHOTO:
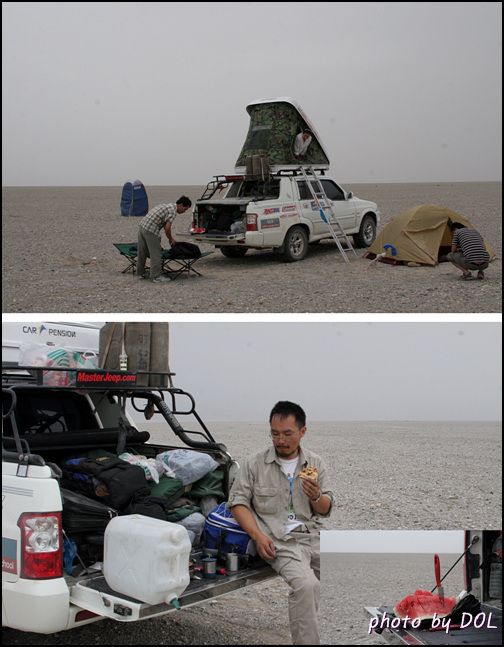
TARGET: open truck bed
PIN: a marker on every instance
(44, 424)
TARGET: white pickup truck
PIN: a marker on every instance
(278, 212)
(267, 204)
(47, 588)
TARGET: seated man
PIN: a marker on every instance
(281, 513)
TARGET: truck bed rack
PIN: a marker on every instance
(19, 445)
(35, 375)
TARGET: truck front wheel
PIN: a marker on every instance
(296, 245)
(367, 232)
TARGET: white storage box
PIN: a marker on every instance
(146, 559)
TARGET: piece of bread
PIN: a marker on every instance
(309, 472)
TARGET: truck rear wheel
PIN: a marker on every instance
(296, 245)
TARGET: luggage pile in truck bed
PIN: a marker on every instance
(97, 488)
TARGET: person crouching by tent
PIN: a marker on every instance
(468, 251)
(149, 237)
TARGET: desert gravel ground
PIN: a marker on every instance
(386, 476)
(58, 256)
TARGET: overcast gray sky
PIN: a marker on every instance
(344, 371)
(102, 93)
(341, 371)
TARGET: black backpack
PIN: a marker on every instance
(107, 479)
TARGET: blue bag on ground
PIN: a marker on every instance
(222, 534)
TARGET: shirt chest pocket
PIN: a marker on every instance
(266, 500)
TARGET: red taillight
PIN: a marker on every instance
(251, 222)
(41, 545)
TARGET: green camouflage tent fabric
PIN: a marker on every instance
(273, 128)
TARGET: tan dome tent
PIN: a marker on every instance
(420, 234)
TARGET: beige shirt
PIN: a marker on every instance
(263, 487)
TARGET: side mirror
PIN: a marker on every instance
(350, 195)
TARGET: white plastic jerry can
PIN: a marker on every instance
(146, 558)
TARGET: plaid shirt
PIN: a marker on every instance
(157, 218)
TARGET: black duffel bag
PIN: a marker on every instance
(107, 479)
(185, 250)
(82, 514)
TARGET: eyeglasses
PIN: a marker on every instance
(274, 435)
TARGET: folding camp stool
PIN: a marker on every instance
(181, 265)
(174, 267)
(130, 252)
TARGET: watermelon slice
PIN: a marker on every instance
(423, 605)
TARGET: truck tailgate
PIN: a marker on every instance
(214, 238)
(480, 635)
(95, 595)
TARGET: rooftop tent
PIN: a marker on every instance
(420, 234)
(134, 201)
(274, 124)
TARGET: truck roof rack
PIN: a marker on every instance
(221, 181)
(296, 171)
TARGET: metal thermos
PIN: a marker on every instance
(209, 567)
(232, 562)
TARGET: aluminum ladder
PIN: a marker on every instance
(320, 195)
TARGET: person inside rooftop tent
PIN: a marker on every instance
(301, 143)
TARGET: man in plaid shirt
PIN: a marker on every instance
(149, 236)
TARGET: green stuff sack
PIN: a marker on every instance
(210, 485)
(168, 488)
